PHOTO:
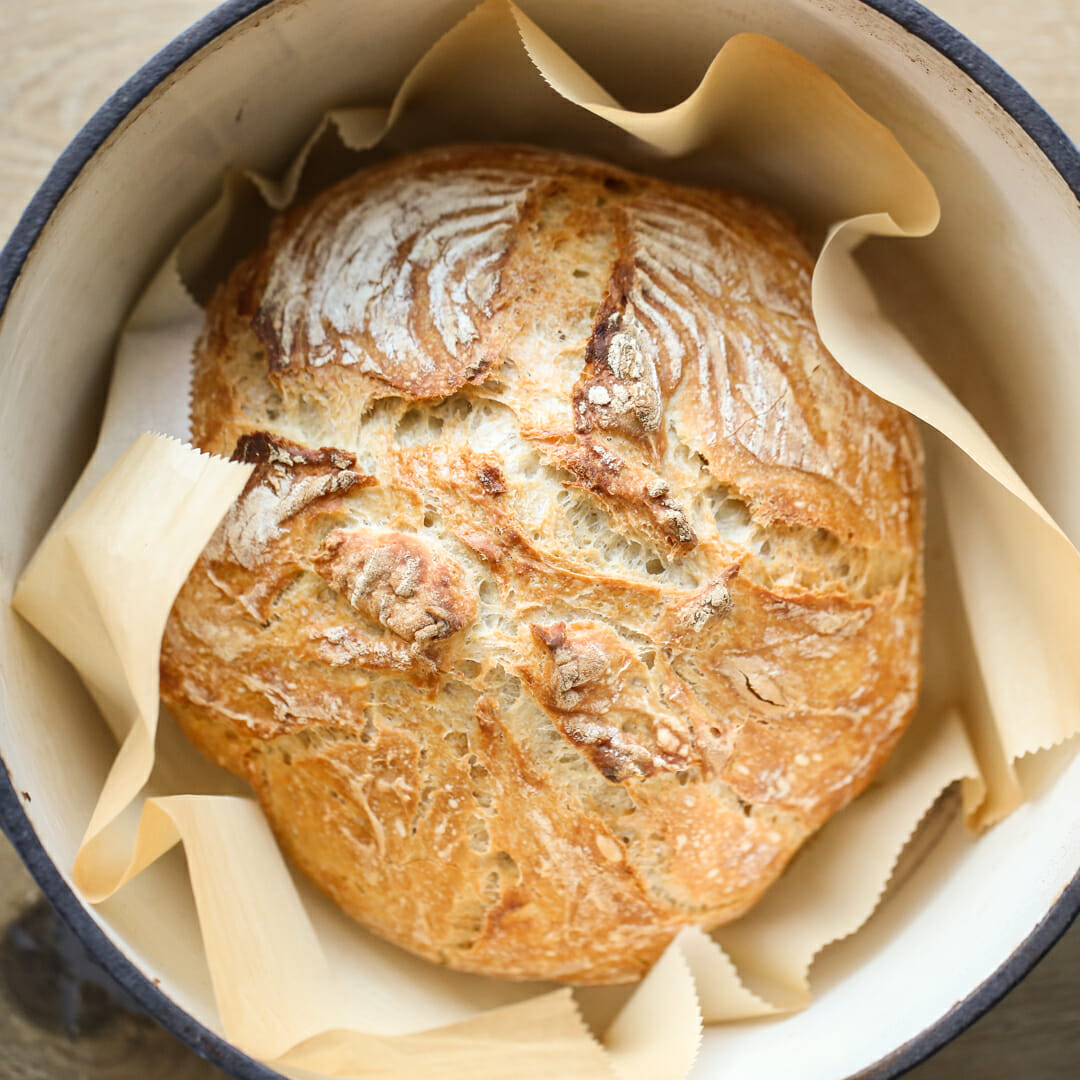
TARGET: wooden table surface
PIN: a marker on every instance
(59, 59)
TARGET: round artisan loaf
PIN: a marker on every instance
(575, 584)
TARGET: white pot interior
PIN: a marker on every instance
(990, 298)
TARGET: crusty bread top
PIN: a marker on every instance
(596, 519)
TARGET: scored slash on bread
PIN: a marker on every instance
(576, 584)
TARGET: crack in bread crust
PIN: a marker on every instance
(576, 584)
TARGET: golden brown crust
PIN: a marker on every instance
(604, 590)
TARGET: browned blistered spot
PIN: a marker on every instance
(262, 448)
(597, 468)
(551, 637)
(594, 690)
(400, 581)
(512, 900)
(623, 383)
(636, 490)
(481, 366)
(574, 676)
(616, 758)
(258, 549)
(618, 389)
(486, 544)
(491, 479)
(704, 606)
(606, 323)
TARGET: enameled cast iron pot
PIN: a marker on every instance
(972, 919)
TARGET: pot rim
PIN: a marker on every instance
(908, 14)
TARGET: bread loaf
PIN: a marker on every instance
(575, 584)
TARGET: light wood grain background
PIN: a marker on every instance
(60, 59)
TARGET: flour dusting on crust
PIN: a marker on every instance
(576, 584)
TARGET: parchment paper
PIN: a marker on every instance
(101, 585)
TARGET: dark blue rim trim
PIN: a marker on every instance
(913, 17)
(13, 820)
(145, 993)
